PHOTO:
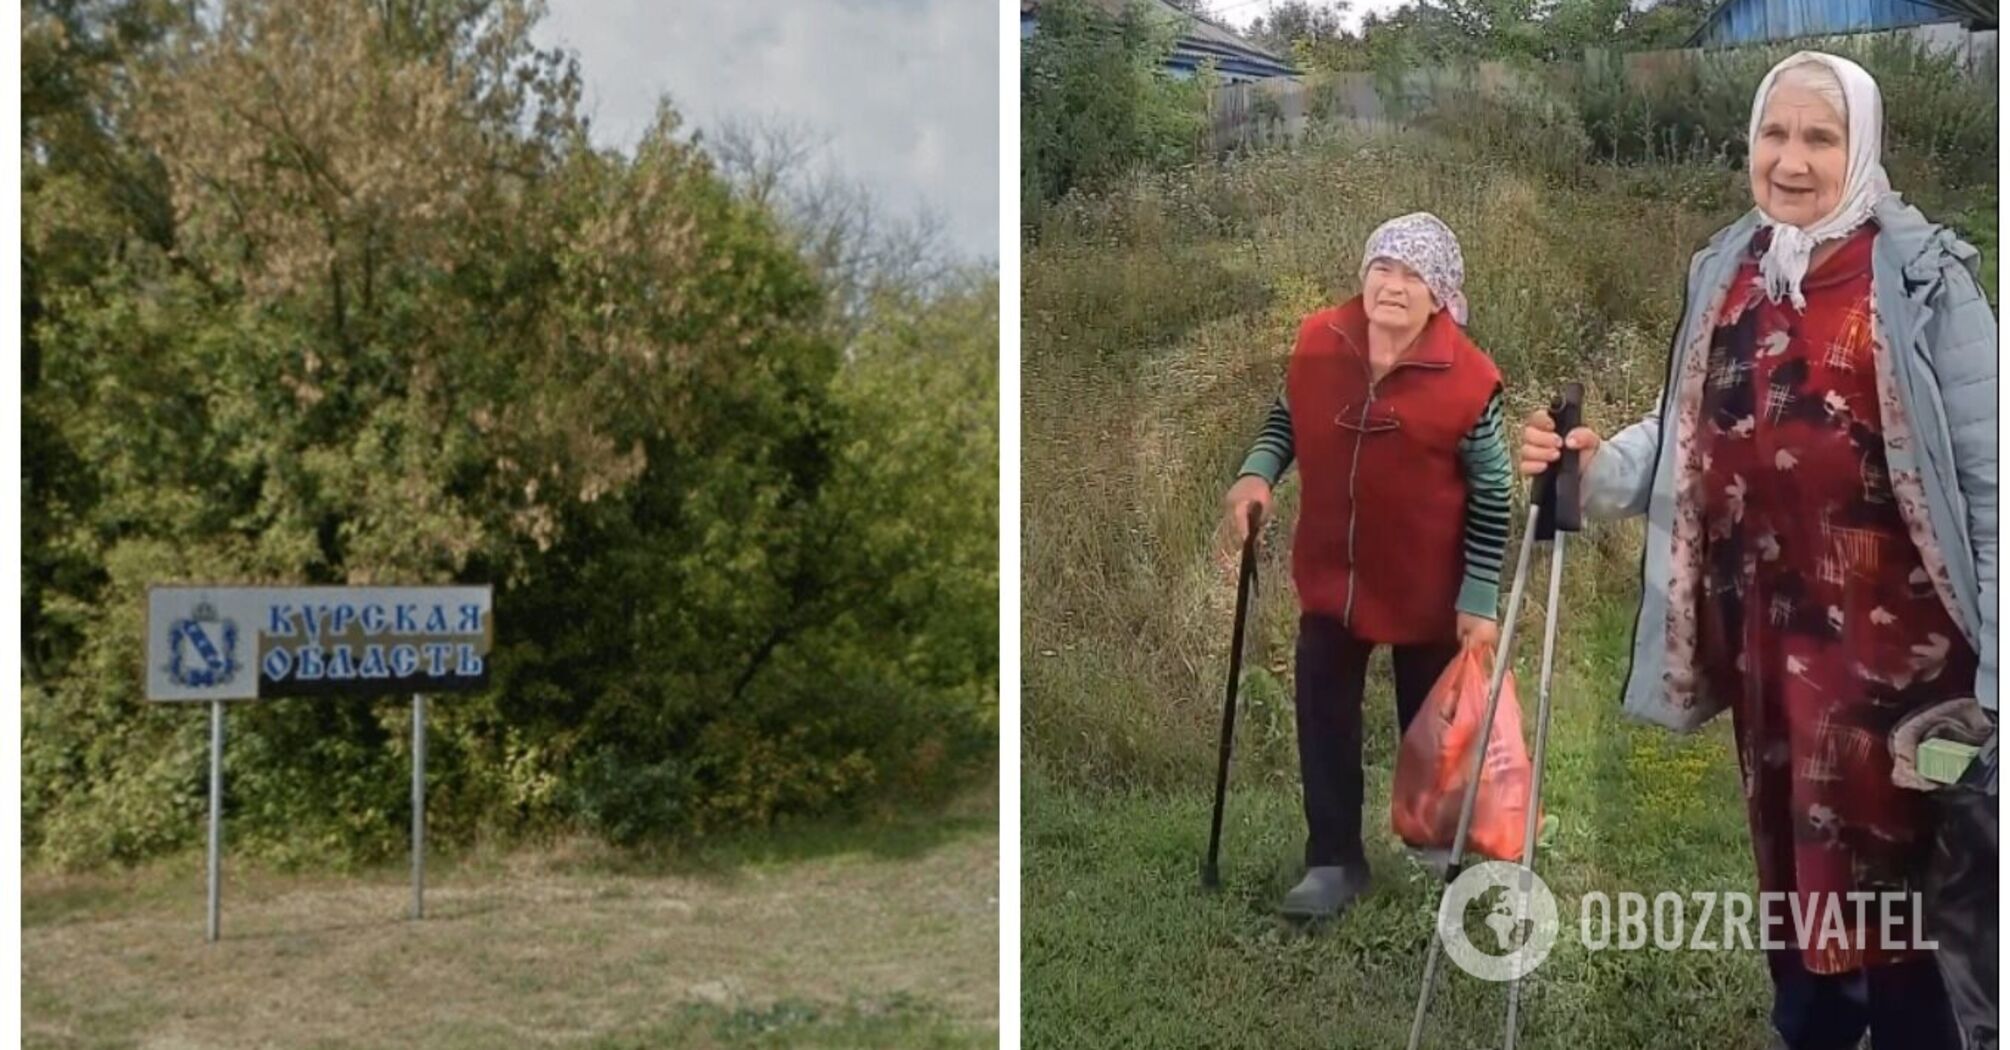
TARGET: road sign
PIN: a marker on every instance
(216, 644)
(249, 643)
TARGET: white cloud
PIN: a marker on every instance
(905, 90)
(1241, 13)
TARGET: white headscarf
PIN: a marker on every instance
(1422, 242)
(1864, 181)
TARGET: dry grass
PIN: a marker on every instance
(831, 937)
(1158, 320)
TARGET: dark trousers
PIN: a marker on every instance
(1902, 1005)
(1332, 675)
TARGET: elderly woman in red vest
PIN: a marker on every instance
(1393, 416)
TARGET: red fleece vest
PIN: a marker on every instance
(1381, 527)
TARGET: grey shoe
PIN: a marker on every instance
(1433, 860)
(1324, 891)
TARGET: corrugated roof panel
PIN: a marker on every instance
(1201, 37)
(1758, 21)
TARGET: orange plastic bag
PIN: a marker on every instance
(1437, 759)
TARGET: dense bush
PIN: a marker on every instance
(1096, 100)
(317, 293)
(1939, 120)
(1676, 133)
(1528, 126)
(1687, 111)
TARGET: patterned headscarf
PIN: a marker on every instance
(1422, 242)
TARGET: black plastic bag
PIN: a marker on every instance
(1961, 893)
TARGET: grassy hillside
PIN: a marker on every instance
(1158, 319)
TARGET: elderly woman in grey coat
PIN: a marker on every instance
(1819, 481)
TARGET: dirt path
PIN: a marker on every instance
(528, 950)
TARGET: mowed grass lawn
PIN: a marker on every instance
(882, 936)
(1123, 949)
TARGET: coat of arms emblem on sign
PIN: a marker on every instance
(203, 649)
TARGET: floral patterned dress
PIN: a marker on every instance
(1819, 618)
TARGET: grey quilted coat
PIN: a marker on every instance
(1938, 328)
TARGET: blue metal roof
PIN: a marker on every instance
(1232, 63)
(1234, 58)
(1760, 21)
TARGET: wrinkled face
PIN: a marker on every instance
(1396, 297)
(1800, 157)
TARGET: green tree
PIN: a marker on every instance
(1533, 30)
(1285, 26)
(73, 57)
(337, 292)
(1574, 25)
(1095, 98)
(1412, 36)
(1665, 25)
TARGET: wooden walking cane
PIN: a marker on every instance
(1210, 871)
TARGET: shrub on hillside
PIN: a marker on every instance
(1529, 127)
(1937, 116)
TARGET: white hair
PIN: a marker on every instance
(1815, 76)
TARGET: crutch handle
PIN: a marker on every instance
(1557, 487)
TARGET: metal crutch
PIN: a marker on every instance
(1210, 872)
(1553, 511)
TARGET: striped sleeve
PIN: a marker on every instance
(1271, 456)
(1489, 489)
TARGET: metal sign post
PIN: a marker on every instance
(217, 643)
(418, 805)
(215, 819)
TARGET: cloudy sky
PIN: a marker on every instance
(904, 92)
(1240, 13)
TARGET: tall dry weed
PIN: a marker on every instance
(1158, 318)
